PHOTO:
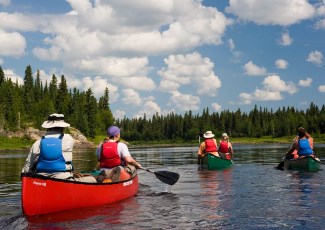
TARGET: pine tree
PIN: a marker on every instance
(53, 89)
(28, 92)
(2, 76)
(62, 99)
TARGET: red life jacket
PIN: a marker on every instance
(109, 157)
(223, 148)
(210, 146)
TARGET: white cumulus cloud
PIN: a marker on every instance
(251, 69)
(275, 12)
(305, 83)
(149, 109)
(9, 73)
(281, 64)
(189, 69)
(321, 88)
(286, 40)
(12, 44)
(184, 102)
(272, 87)
(315, 57)
(131, 97)
(216, 107)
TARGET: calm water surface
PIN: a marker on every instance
(250, 195)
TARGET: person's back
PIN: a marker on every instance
(51, 155)
(303, 145)
(209, 145)
(225, 147)
(114, 158)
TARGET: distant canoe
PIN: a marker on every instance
(307, 163)
(212, 162)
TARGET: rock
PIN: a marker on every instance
(34, 134)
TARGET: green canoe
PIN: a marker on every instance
(210, 161)
(307, 163)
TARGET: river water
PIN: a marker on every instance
(250, 195)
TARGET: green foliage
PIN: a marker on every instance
(15, 143)
(31, 103)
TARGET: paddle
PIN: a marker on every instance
(165, 176)
(280, 165)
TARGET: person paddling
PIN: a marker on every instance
(303, 145)
(114, 158)
(225, 147)
(51, 155)
(209, 145)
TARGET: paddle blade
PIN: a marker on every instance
(167, 177)
(280, 166)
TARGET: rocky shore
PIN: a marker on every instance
(34, 134)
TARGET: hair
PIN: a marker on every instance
(59, 129)
(301, 132)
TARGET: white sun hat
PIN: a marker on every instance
(224, 135)
(55, 120)
(208, 134)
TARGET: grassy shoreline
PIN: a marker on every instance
(25, 143)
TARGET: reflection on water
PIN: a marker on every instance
(250, 195)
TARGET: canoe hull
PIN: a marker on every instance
(212, 162)
(42, 195)
(306, 163)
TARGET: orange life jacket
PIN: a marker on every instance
(210, 146)
(223, 148)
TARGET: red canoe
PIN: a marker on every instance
(43, 195)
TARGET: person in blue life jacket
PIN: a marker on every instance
(51, 155)
(114, 158)
(302, 144)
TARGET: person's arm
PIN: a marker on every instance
(31, 160)
(200, 152)
(310, 140)
(125, 154)
(98, 151)
(230, 148)
(215, 142)
(293, 148)
(131, 161)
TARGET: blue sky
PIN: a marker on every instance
(172, 55)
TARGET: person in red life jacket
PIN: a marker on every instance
(209, 145)
(51, 155)
(303, 144)
(225, 148)
(114, 158)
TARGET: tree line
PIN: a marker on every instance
(256, 123)
(29, 104)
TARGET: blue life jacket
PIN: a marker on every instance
(304, 148)
(51, 159)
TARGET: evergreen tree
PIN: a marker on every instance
(2, 76)
(62, 98)
(91, 108)
(28, 92)
(53, 89)
(38, 87)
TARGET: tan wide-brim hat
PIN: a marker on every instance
(55, 120)
(208, 134)
(224, 135)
